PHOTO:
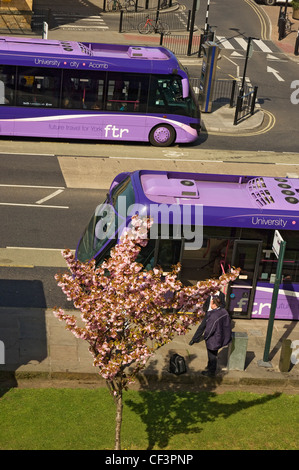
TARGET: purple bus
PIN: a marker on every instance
(73, 90)
(209, 223)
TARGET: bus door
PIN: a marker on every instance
(246, 255)
(168, 252)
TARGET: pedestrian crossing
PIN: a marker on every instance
(77, 21)
(241, 44)
(68, 21)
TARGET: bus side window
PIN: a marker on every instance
(7, 84)
(82, 90)
(38, 87)
(127, 92)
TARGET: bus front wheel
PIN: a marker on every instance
(162, 136)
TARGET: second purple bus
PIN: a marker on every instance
(74, 90)
(234, 219)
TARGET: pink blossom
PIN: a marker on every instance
(123, 315)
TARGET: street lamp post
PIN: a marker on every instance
(248, 55)
(195, 7)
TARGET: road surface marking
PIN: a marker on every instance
(59, 191)
(262, 45)
(32, 205)
(224, 42)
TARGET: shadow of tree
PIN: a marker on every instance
(168, 413)
(170, 405)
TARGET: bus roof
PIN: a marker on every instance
(56, 53)
(227, 200)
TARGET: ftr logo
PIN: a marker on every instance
(2, 353)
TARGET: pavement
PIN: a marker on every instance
(39, 351)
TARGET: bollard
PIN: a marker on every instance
(237, 351)
(45, 30)
(120, 27)
(285, 355)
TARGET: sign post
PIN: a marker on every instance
(195, 7)
(278, 246)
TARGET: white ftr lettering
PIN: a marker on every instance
(115, 131)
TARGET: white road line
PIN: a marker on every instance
(224, 42)
(59, 191)
(287, 164)
(242, 43)
(25, 153)
(30, 186)
(35, 248)
(32, 205)
(262, 45)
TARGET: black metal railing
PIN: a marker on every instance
(40, 16)
(245, 105)
(129, 21)
(224, 91)
(178, 43)
(110, 5)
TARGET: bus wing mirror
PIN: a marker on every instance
(185, 87)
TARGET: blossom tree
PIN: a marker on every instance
(124, 309)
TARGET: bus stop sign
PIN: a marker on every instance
(277, 243)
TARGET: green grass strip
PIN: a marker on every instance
(75, 419)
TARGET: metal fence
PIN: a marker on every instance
(245, 105)
(224, 92)
(228, 92)
(39, 16)
(129, 21)
(114, 5)
(178, 44)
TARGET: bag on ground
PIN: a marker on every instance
(177, 365)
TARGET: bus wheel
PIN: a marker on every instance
(162, 136)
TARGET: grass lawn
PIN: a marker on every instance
(38, 419)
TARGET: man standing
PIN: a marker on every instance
(216, 331)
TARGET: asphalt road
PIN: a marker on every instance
(47, 200)
(268, 68)
(48, 190)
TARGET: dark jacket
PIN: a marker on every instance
(215, 328)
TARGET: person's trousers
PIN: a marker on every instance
(212, 360)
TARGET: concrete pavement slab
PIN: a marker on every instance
(50, 353)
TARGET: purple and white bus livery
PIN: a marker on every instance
(238, 216)
(73, 90)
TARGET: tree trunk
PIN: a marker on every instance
(118, 421)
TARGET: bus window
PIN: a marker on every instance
(168, 253)
(82, 90)
(106, 222)
(7, 84)
(38, 87)
(127, 92)
(166, 96)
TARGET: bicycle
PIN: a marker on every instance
(115, 5)
(153, 26)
